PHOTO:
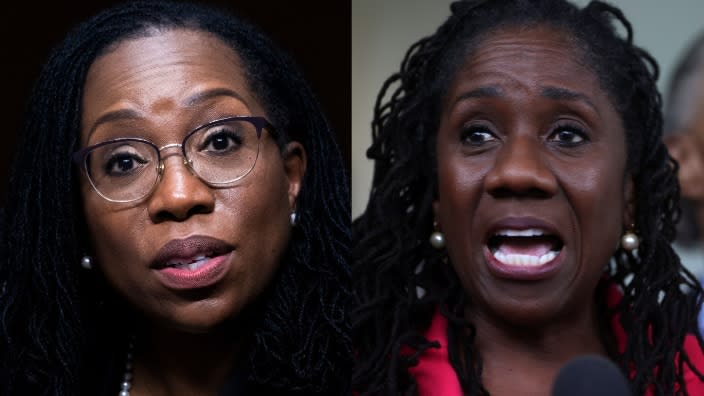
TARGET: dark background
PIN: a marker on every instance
(317, 34)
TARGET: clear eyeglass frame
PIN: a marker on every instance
(81, 157)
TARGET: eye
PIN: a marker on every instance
(476, 136)
(221, 141)
(568, 135)
(124, 163)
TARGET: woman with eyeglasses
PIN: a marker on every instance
(178, 218)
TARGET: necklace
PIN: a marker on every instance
(126, 383)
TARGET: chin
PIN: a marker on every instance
(198, 325)
(520, 309)
(522, 315)
(198, 317)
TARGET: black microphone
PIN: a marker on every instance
(590, 375)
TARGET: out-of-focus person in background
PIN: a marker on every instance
(684, 126)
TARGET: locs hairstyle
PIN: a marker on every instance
(61, 332)
(392, 259)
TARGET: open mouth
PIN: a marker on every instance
(190, 264)
(527, 248)
(190, 254)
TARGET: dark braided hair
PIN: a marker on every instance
(61, 332)
(391, 257)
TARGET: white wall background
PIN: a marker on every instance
(382, 31)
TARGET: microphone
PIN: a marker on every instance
(590, 375)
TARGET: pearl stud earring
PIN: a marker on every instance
(437, 238)
(87, 262)
(629, 240)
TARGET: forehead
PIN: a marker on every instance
(156, 74)
(175, 51)
(519, 59)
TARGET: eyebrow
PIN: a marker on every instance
(566, 94)
(489, 91)
(122, 114)
(202, 96)
(199, 97)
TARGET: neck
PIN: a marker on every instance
(171, 362)
(532, 356)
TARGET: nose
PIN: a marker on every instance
(520, 170)
(179, 194)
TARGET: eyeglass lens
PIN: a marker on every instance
(128, 169)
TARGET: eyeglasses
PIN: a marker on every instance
(220, 153)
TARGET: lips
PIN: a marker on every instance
(192, 263)
(190, 253)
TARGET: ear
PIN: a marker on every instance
(684, 149)
(295, 161)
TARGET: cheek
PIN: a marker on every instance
(120, 247)
(117, 233)
(258, 214)
(459, 189)
(459, 195)
(109, 226)
(598, 199)
(259, 217)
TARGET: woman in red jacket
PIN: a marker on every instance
(177, 221)
(522, 212)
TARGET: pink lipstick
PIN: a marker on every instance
(192, 263)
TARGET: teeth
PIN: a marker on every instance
(193, 264)
(524, 260)
(531, 232)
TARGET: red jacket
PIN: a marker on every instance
(436, 377)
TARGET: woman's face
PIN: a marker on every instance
(160, 88)
(531, 177)
(689, 152)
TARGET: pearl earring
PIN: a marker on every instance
(293, 219)
(629, 240)
(437, 238)
(87, 262)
